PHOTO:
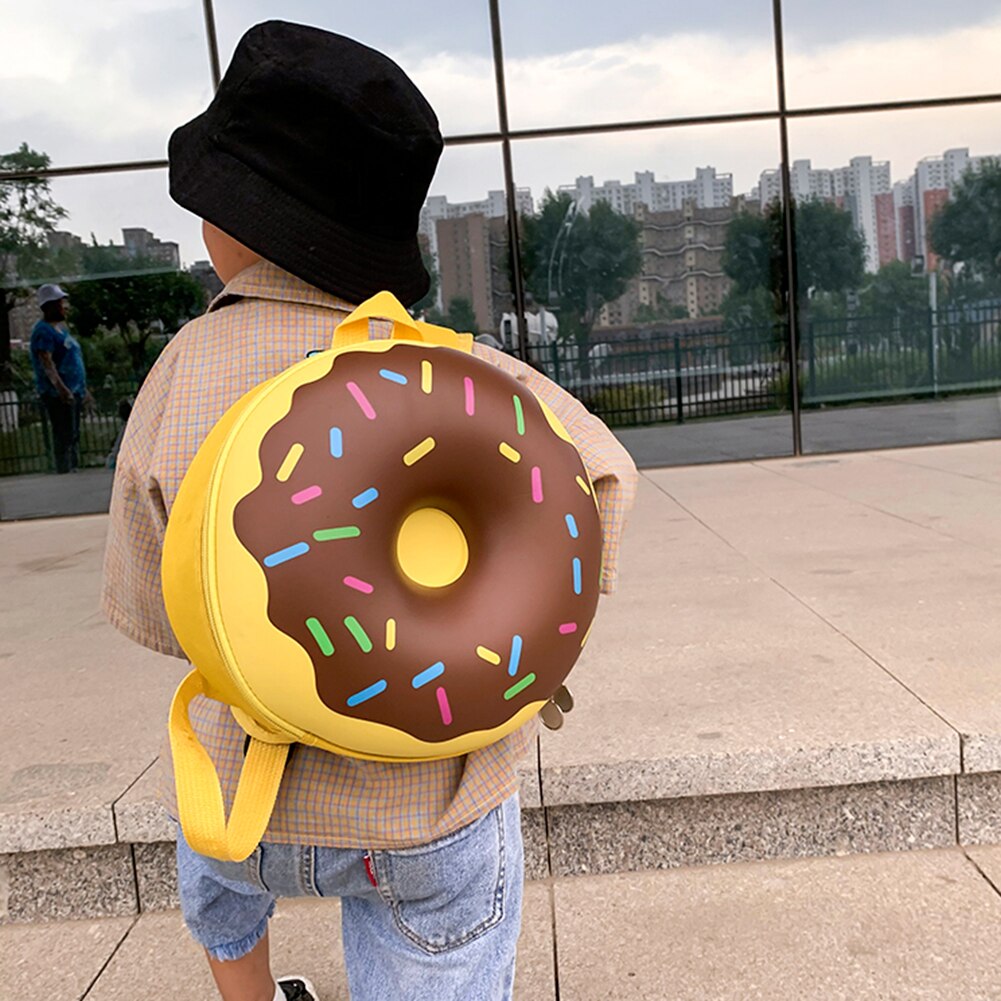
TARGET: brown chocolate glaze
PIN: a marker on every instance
(520, 578)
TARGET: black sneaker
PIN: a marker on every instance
(297, 989)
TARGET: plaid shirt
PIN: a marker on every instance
(262, 322)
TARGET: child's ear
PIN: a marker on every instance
(229, 257)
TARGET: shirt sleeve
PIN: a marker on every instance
(43, 338)
(609, 465)
(132, 598)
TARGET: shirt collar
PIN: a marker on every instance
(265, 280)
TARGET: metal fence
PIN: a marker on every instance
(669, 376)
(26, 437)
(664, 376)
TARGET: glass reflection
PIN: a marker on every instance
(444, 47)
(464, 235)
(900, 277)
(889, 51)
(100, 83)
(133, 269)
(657, 301)
(587, 62)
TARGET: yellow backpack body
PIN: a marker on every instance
(390, 550)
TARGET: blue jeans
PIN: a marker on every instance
(440, 921)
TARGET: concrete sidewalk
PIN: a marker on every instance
(920, 925)
(801, 661)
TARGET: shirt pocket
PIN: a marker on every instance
(450, 891)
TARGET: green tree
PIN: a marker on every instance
(460, 316)
(967, 229)
(139, 300)
(663, 310)
(578, 260)
(28, 214)
(895, 291)
(830, 254)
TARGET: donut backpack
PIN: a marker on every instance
(390, 550)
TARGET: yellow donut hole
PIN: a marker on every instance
(431, 548)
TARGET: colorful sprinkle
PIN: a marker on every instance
(443, 707)
(512, 664)
(367, 693)
(488, 655)
(336, 443)
(310, 493)
(572, 526)
(365, 497)
(470, 396)
(286, 554)
(359, 585)
(329, 534)
(391, 376)
(427, 375)
(321, 637)
(508, 452)
(586, 635)
(519, 415)
(291, 460)
(361, 637)
(536, 484)
(567, 628)
(390, 634)
(418, 451)
(428, 674)
(519, 686)
(583, 485)
(362, 400)
(576, 576)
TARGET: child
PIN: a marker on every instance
(309, 170)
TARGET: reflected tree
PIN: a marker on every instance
(28, 214)
(576, 260)
(966, 231)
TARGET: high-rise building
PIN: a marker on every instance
(437, 208)
(682, 264)
(141, 243)
(707, 190)
(472, 254)
(854, 186)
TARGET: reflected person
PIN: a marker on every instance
(60, 376)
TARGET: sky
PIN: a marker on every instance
(121, 74)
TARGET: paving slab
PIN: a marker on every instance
(86, 708)
(976, 459)
(47, 495)
(56, 961)
(704, 676)
(919, 926)
(950, 502)
(922, 604)
(159, 961)
(987, 858)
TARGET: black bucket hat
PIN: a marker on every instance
(316, 153)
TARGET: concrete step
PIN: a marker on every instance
(802, 660)
(918, 925)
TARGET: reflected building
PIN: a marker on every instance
(473, 265)
(141, 243)
(682, 265)
(706, 190)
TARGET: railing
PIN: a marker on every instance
(666, 376)
(674, 376)
(649, 380)
(26, 437)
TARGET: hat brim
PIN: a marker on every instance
(224, 191)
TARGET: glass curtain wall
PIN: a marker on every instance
(740, 231)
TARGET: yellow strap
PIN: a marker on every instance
(200, 805)
(353, 329)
